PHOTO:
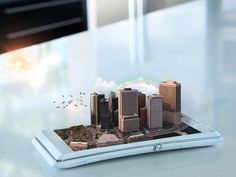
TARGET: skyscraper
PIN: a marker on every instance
(113, 108)
(115, 118)
(141, 101)
(154, 111)
(171, 92)
(128, 110)
(95, 100)
(105, 114)
(143, 117)
(113, 101)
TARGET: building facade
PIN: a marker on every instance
(95, 100)
(171, 93)
(113, 101)
(113, 108)
(128, 110)
(143, 117)
(105, 114)
(154, 111)
(141, 101)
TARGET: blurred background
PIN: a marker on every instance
(52, 50)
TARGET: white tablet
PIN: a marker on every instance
(187, 134)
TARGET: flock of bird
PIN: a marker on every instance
(71, 100)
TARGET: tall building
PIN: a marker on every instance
(128, 110)
(141, 101)
(171, 92)
(105, 114)
(115, 118)
(113, 101)
(154, 111)
(95, 100)
(143, 117)
(113, 108)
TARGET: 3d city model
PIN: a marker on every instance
(130, 116)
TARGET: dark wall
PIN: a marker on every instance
(28, 22)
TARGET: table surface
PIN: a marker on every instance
(193, 43)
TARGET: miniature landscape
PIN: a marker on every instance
(129, 116)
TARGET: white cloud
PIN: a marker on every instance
(143, 86)
(104, 86)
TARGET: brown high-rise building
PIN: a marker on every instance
(105, 114)
(95, 100)
(113, 101)
(141, 101)
(171, 92)
(113, 108)
(143, 117)
(115, 117)
(154, 111)
(128, 110)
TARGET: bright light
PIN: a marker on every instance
(23, 66)
(29, 66)
(19, 60)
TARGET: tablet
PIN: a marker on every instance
(54, 147)
(128, 122)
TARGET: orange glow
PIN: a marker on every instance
(28, 66)
(19, 60)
